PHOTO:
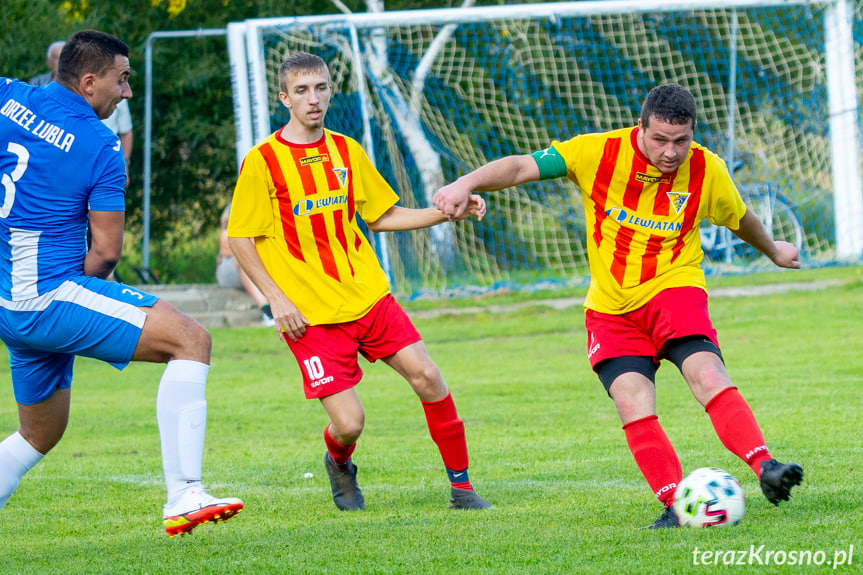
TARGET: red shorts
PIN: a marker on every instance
(673, 313)
(327, 354)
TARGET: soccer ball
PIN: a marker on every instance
(709, 497)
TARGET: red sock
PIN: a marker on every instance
(341, 454)
(736, 427)
(447, 431)
(655, 456)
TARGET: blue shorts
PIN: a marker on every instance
(84, 316)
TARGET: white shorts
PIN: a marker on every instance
(228, 274)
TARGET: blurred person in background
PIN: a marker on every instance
(51, 60)
(229, 274)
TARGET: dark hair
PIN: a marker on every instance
(88, 52)
(670, 103)
(300, 62)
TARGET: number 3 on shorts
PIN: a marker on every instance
(10, 179)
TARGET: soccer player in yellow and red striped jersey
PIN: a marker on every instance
(645, 191)
(294, 230)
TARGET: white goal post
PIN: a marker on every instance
(787, 56)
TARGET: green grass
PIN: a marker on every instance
(808, 274)
(546, 449)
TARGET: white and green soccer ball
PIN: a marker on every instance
(709, 497)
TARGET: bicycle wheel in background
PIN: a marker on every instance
(785, 224)
(781, 221)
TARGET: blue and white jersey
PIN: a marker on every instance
(57, 161)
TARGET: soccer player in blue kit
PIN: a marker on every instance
(62, 171)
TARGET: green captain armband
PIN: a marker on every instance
(551, 164)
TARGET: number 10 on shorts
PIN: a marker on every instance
(314, 367)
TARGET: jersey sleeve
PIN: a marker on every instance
(726, 206)
(108, 192)
(373, 195)
(251, 207)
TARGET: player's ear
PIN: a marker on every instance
(87, 84)
(286, 102)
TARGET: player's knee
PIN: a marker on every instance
(44, 440)
(193, 341)
(348, 430)
(632, 407)
(202, 340)
(634, 396)
(352, 433)
(706, 374)
(427, 380)
(710, 382)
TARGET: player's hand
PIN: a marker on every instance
(290, 322)
(453, 200)
(786, 255)
(475, 207)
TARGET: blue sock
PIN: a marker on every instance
(458, 479)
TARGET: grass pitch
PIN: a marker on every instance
(546, 449)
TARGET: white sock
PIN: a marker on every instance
(181, 410)
(17, 457)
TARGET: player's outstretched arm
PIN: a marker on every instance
(106, 243)
(399, 219)
(751, 231)
(453, 199)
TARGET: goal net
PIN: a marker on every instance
(434, 94)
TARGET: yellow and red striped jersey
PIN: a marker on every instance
(301, 202)
(642, 225)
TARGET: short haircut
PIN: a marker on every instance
(300, 62)
(54, 45)
(670, 103)
(89, 52)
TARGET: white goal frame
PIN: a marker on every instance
(251, 106)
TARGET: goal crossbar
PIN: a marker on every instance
(440, 16)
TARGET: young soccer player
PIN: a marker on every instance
(63, 171)
(645, 190)
(299, 195)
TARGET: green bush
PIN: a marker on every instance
(186, 255)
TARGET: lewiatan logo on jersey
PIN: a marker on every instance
(622, 216)
(309, 206)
